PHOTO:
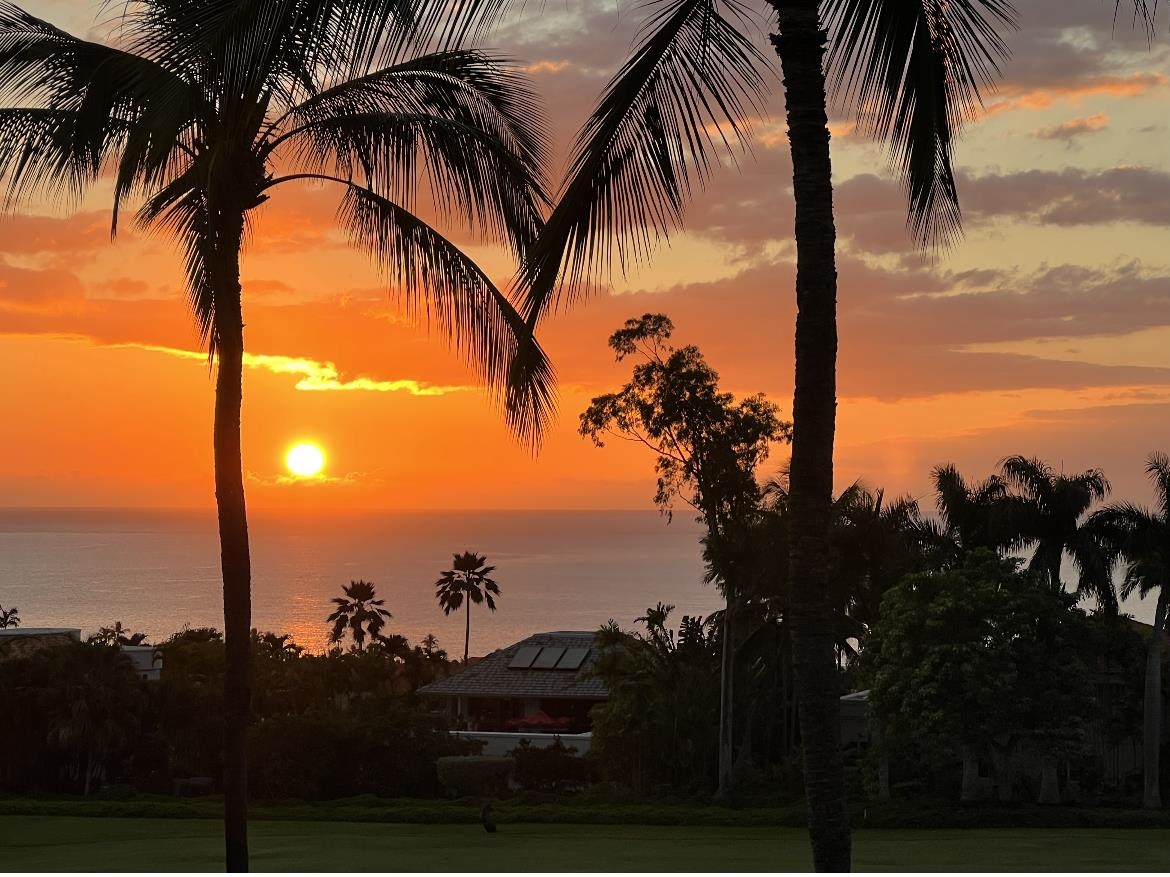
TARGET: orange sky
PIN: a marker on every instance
(1044, 332)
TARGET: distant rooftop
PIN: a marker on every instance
(73, 632)
(553, 664)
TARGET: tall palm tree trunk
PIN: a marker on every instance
(233, 538)
(467, 633)
(800, 45)
(727, 664)
(1152, 706)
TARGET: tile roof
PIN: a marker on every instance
(490, 677)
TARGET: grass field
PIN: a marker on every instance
(33, 843)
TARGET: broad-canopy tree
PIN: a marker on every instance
(360, 613)
(707, 448)
(468, 581)
(1140, 538)
(912, 70)
(198, 111)
(979, 660)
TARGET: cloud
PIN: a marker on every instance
(1071, 129)
(315, 376)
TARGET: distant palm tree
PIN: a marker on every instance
(1048, 513)
(116, 636)
(1140, 538)
(9, 617)
(430, 647)
(359, 613)
(466, 583)
(203, 108)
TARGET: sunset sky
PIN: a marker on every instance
(1045, 332)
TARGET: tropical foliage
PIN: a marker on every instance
(707, 448)
(198, 112)
(359, 613)
(468, 581)
(9, 617)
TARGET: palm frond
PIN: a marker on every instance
(685, 94)
(913, 71)
(438, 282)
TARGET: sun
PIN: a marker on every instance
(305, 460)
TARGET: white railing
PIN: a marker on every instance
(502, 742)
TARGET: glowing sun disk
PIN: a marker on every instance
(305, 460)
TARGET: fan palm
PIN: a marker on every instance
(360, 613)
(1049, 513)
(913, 70)
(205, 108)
(9, 617)
(468, 581)
(1140, 537)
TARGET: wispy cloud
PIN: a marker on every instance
(315, 376)
(1074, 128)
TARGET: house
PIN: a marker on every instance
(20, 641)
(538, 689)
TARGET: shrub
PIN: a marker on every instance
(463, 775)
(554, 768)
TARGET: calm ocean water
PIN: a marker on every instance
(156, 571)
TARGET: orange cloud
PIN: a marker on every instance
(1133, 85)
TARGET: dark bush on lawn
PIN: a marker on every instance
(475, 774)
(555, 768)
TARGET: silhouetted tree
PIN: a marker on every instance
(360, 613)
(913, 72)
(1140, 537)
(204, 108)
(468, 581)
(1048, 513)
(9, 617)
(116, 636)
(707, 447)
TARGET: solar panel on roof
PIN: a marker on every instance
(572, 659)
(524, 658)
(548, 657)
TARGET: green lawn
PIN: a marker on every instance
(34, 843)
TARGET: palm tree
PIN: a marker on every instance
(1049, 512)
(9, 617)
(205, 108)
(116, 636)
(1140, 537)
(913, 72)
(467, 582)
(360, 613)
(971, 516)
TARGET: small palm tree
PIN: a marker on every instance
(466, 583)
(9, 617)
(116, 636)
(1140, 538)
(360, 613)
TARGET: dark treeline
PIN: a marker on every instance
(77, 716)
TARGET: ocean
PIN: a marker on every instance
(157, 571)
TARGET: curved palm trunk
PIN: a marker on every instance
(800, 44)
(233, 538)
(1152, 706)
